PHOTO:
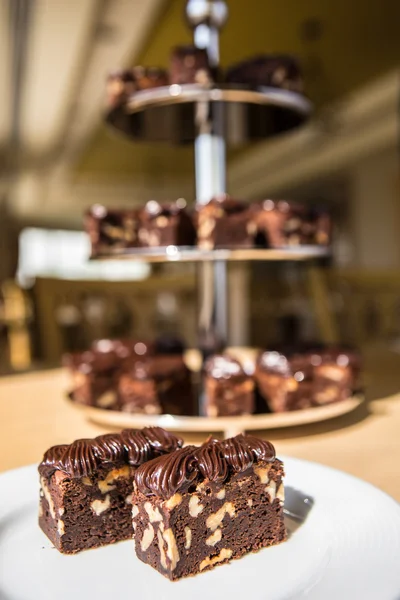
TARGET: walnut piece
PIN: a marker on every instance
(99, 506)
(215, 519)
(105, 485)
(175, 500)
(154, 513)
(271, 490)
(195, 507)
(221, 494)
(263, 473)
(225, 554)
(148, 536)
(188, 535)
(47, 495)
(172, 548)
(214, 538)
(163, 558)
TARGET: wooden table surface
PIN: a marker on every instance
(34, 415)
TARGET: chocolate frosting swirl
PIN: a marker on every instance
(164, 477)
(237, 454)
(211, 462)
(214, 461)
(83, 457)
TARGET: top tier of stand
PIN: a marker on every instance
(177, 113)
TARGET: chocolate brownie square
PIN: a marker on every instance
(267, 70)
(166, 224)
(111, 229)
(229, 391)
(86, 487)
(201, 507)
(158, 384)
(123, 83)
(303, 380)
(225, 223)
(189, 64)
(280, 223)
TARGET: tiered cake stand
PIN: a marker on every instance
(212, 116)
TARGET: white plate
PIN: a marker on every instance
(347, 548)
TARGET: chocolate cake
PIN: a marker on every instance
(267, 70)
(225, 223)
(200, 507)
(86, 487)
(189, 64)
(158, 384)
(279, 223)
(111, 229)
(302, 380)
(166, 224)
(229, 391)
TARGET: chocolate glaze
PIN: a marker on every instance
(83, 457)
(214, 461)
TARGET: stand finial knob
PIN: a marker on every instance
(213, 13)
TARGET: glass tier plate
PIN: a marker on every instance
(173, 113)
(193, 254)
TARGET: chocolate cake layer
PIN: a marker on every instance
(229, 391)
(207, 505)
(86, 487)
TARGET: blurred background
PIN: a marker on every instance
(57, 158)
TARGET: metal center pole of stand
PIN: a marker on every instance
(206, 17)
(212, 276)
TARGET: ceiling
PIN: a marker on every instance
(51, 134)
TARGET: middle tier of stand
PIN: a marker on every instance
(175, 113)
(193, 254)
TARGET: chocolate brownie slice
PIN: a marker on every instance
(111, 229)
(303, 380)
(166, 224)
(123, 83)
(86, 487)
(225, 223)
(158, 384)
(201, 507)
(229, 391)
(267, 70)
(189, 64)
(280, 223)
